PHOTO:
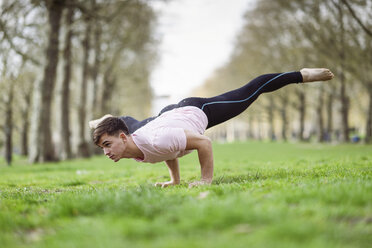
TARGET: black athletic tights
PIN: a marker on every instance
(230, 104)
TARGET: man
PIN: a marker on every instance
(179, 128)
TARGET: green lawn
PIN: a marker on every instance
(263, 195)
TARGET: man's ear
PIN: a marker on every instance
(123, 136)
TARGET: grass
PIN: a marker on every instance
(263, 195)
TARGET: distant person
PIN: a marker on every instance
(179, 128)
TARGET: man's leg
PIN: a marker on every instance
(134, 124)
(230, 104)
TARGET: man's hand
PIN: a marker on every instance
(174, 173)
(165, 184)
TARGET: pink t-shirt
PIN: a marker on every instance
(164, 138)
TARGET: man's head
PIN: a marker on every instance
(111, 136)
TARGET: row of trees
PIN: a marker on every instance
(68, 61)
(289, 35)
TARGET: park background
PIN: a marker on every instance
(293, 171)
(64, 63)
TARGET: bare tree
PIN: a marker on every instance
(330, 101)
(27, 80)
(302, 111)
(345, 102)
(319, 114)
(8, 103)
(369, 116)
(270, 112)
(65, 113)
(83, 147)
(44, 148)
(357, 19)
(97, 60)
(9, 125)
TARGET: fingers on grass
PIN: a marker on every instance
(163, 185)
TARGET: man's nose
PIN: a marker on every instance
(106, 151)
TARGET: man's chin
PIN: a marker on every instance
(116, 160)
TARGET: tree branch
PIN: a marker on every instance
(357, 18)
(9, 39)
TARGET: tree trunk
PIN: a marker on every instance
(35, 141)
(259, 127)
(343, 96)
(330, 117)
(65, 118)
(96, 67)
(284, 118)
(369, 118)
(83, 147)
(108, 86)
(270, 110)
(25, 124)
(24, 137)
(250, 127)
(319, 111)
(302, 111)
(46, 148)
(9, 125)
(94, 75)
(344, 110)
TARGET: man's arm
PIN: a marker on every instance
(174, 172)
(204, 147)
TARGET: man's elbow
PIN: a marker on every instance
(208, 140)
(206, 143)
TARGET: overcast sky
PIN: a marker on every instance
(197, 37)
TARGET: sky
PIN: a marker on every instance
(197, 37)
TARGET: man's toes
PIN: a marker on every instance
(330, 74)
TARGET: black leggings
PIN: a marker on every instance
(223, 107)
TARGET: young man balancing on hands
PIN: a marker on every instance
(179, 128)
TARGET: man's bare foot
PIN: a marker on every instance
(316, 74)
(94, 123)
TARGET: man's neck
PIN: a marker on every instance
(132, 150)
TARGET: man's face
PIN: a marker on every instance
(113, 146)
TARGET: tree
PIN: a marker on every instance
(83, 147)
(8, 102)
(366, 28)
(120, 34)
(65, 102)
(25, 81)
(19, 46)
(42, 138)
(127, 60)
